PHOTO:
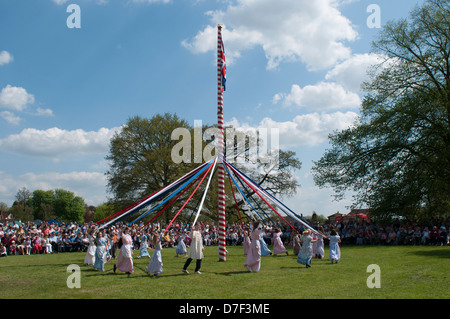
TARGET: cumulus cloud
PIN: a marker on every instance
(304, 130)
(15, 98)
(59, 2)
(152, 1)
(44, 112)
(5, 57)
(55, 142)
(10, 117)
(313, 32)
(319, 97)
(352, 72)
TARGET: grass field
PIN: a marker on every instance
(406, 272)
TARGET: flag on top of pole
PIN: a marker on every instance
(224, 68)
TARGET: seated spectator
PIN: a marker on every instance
(425, 236)
(392, 238)
(3, 252)
(37, 248)
(417, 236)
(434, 236)
(13, 248)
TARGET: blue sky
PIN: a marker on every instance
(294, 65)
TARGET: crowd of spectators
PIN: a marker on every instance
(45, 238)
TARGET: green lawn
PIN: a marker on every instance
(405, 272)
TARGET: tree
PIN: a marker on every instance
(396, 157)
(21, 208)
(68, 207)
(140, 157)
(42, 203)
(102, 211)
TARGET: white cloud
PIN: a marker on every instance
(44, 112)
(313, 32)
(354, 71)
(59, 2)
(152, 1)
(5, 57)
(10, 117)
(89, 185)
(320, 97)
(15, 98)
(304, 130)
(55, 142)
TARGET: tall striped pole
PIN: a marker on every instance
(221, 169)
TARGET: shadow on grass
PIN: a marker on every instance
(230, 273)
(438, 253)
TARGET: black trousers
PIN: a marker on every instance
(198, 264)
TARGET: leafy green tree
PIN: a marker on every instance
(103, 210)
(42, 203)
(396, 157)
(68, 207)
(21, 208)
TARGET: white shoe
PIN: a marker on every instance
(185, 271)
(198, 272)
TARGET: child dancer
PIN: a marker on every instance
(335, 252)
(181, 246)
(306, 252)
(155, 266)
(253, 260)
(143, 248)
(278, 247)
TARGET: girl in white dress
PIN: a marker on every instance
(335, 252)
(155, 266)
(90, 254)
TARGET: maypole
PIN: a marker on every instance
(220, 146)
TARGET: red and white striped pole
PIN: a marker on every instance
(221, 169)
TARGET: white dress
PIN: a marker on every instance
(90, 254)
(155, 266)
(335, 252)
